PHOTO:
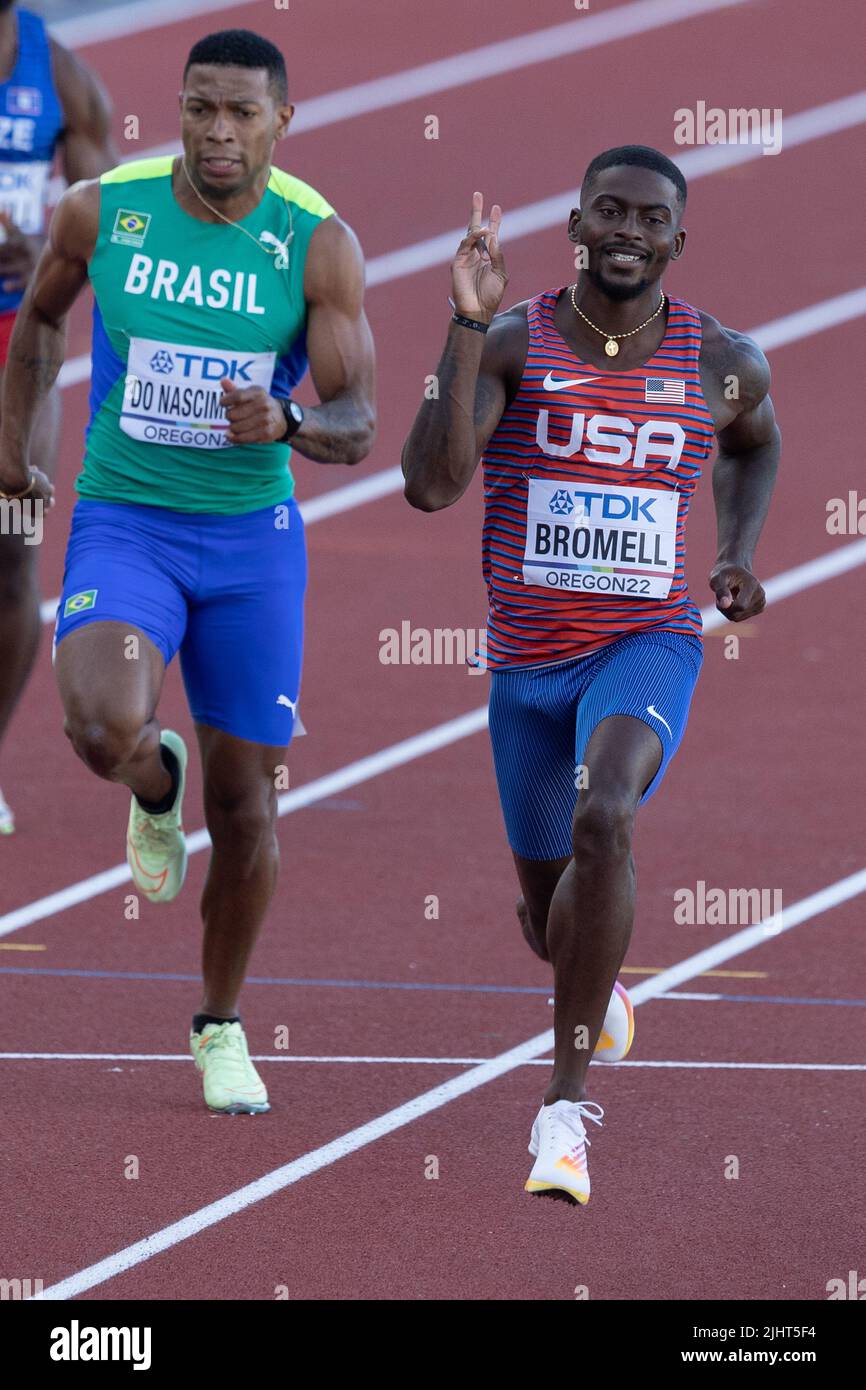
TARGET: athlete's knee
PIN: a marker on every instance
(603, 825)
(104, 744)
(243, 819)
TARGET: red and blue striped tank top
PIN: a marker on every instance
(587, 483)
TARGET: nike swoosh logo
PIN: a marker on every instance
(655, 714)
(159, 879)
(553, 383)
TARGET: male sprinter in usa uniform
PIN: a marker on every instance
(216, 277)
(594, 407)
(49, 103)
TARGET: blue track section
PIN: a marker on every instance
(421, 985)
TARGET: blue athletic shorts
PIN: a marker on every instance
(227, 592)
(542, 717)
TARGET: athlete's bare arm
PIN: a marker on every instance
(340, 349)
(341, 356)
(86, 151)
(477, 376)
(87, 148)
(38, 343)
(736, 379)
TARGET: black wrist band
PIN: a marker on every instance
(470, 323)
(294, 417)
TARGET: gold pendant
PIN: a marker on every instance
(611, 347)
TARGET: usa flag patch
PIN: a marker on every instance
(24, 101)
(662, 389)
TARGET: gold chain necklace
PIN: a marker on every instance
(611, 347)
(280, 249)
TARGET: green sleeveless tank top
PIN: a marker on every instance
(180, 304)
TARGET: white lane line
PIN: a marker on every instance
(803, 911)
(685, 994)
(794, 581)
(269, 1057)
(344, 499)
(422, 1061)
(807, 125)
(791, 328)
(322, 787)
(815, 318)
(428, 1101)
(781, 586)
(121, 21)
(749, 1066)
(828, 313)
(339, 499)
(835, 562)
(490, 60)
(74, 371)
(817, 122)
(408, 84)
(292, 1172)
(814, 124)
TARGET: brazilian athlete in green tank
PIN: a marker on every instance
(216, 278)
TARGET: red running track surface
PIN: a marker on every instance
(762, 794)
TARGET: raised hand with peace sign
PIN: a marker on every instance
(478, 275)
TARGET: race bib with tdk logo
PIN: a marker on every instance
(601, 540)
(172, 392)
(22, 195)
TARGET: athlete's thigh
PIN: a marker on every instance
(620, 759)
(109, 672)
(532, 734)
(633, 712)
(242, 653)
(122, 611)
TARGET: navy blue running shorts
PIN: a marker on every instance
(542, 718)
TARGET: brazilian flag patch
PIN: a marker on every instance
(79, 603)
(130, 228)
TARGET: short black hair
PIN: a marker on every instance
(241, 48)
(641, 157)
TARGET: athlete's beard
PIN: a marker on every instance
(619, 293)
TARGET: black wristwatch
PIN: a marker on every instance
(294, 419)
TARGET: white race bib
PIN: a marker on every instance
(589, 538)
(22, 194)
(172, 392)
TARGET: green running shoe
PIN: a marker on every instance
(155, 845)
(232, 1086)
